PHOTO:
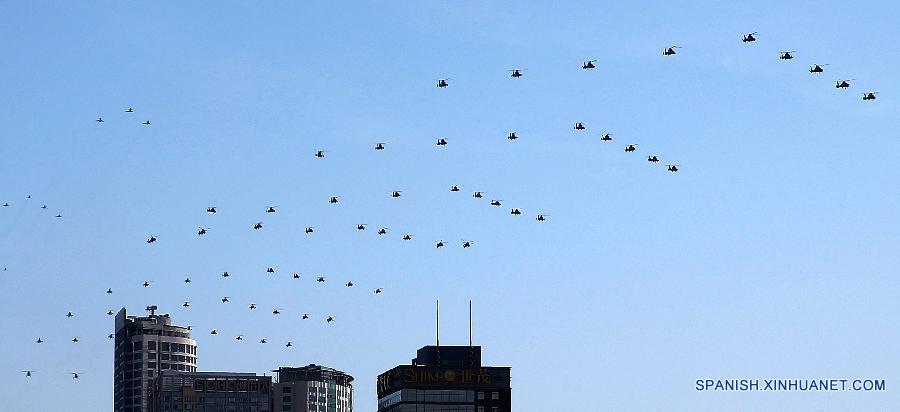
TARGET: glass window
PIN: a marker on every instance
(495, 395)
(151, 345)
(480, 395)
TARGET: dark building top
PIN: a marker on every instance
(455, 356)
(312, 372)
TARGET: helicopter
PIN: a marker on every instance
(672, 168)
(653, 158)
(44, 207)
(225, 299)
(350, 284)
(186, 304)
(109, 312)
(439, 244)
(869, 95)
(27, 373)
(515, 211)
(382, 231)
(202, 231)
(271, 209)
(211, 209)
(478, 195)
(454, 188)
(512, 136)
(6, 205)
(441, 142)
(378, 290)
(130, 110)
(396, 193)
(309, 229)
(407, 236)
(187, 280)
(270, 270)
(151, 239)
(75, 339)
(39, 340)
(786, 55)
(588, 64)
(379, 146)
(296, 275)
(111, 336)
(541, 218)
(305, 316)
(333, 199)
(109, 291)
(361, 226)
(516, 73)
(842, 84)
(321, 279)
(74, 375)
(329, 319)
(495, 202)
(467, 244)
(99, 120)
(257, 226)
(225, 274)
(239, 337)
(630, 148)
(320, 153)
(817, 68)
(669, 51)
(578, 126)
(252, 306)
(276, 311)
(146, 123)
(146, 283)
(442, 83)
(214, 332)
(749, 37)
(606, 137)
(70, 314)
(288, 344)
(58, 216)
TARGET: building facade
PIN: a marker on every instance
(210, 392)
(312, 388)
(144, 347)
(445, 379)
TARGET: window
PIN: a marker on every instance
(286, 389)
(286, 398)
(151, 345)
(480, 395)
(495, 395)
(481, 408)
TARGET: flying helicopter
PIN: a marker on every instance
(478, 195)
(186, 304)
(109, 291)
(439, 244)
(378, 290)
(396, 193)
(270, 270)
(515, 211)
(869, 95)
(187, 280)
(252, 306)
(271, 209)
(58, 216)
(817, 68)
(516, 73)
(407, 236)
(296, 275)
(321, 279)
(257, 226)
(842, 84)
(214, 332)
(305, 316)
(588, 64)
(130, 110)
(496, 202)
(44, 207)
(111, 336)
(239, 337)
(441, 142)
(309, 229)
(202, 231)
(289, 344)
(578, 126)
(630, 147)
(320, 153)
(653, 159)
(467, 244)
(350, 284)
(225, 274)
(276, 311)
(75, 339)
(74, 375)
(749, 37)
(146, 283)
(382, 231)
(512, 136)
(786, 55)
(211, 209)
(606, 137)
(6, 205)
(109, 312)
(146, 123)
(379, 146)
(27, 373)
(333, 199)
(442, 83)
(672, 168)
(70, 314)
(99, 120)
(329, 319)
(454, 188)
(151, 239)
(541, 218)
(39, 340)
(670, 51)
(225, 299)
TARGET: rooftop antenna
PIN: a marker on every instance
(152, 309)
(470, 323)
(437, 321)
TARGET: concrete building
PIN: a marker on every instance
(144, 347)
(445, 379)
(210, 392)
(312, 388)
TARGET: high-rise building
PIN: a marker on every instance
(445, 379)
(210, 392)
(145, 346)
(312, 388)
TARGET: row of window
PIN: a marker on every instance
(166, 347)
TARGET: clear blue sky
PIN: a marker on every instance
(773, 253)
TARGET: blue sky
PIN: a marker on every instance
(771, 254)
